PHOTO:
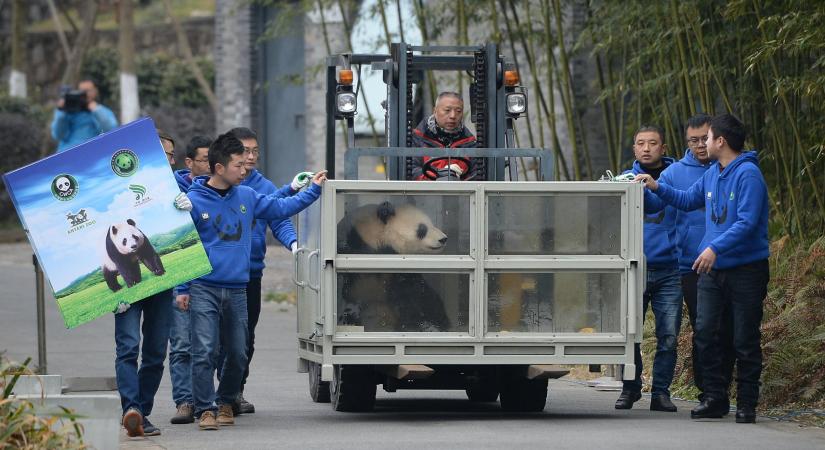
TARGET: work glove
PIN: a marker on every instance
(122, 307)
(294, 247)
(456, 169)
(301, 180)
(182, 202)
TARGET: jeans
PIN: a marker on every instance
(180, 357)
(742, 290)
(218, 320)
(253, 311)
(137, 387)
(664, 295)
(690, 281)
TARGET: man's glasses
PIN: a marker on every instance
(170, 155)
(254, 150)
(202, 161)
(695, 141)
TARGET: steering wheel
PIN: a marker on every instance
(432, 173)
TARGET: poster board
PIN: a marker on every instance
(102, 221)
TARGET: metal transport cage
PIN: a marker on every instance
(528, 276)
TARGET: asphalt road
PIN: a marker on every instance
(576, 417)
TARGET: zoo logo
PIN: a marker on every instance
(124, 163)
(64, 187)
(139, 191)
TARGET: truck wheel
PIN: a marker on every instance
(353, 388)
(483, 390)
(523, 395)
(318, 390)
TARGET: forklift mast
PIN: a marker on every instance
(403, 69)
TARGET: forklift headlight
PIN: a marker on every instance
(346, 103)
(516, 103)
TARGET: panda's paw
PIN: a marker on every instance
(159, 272)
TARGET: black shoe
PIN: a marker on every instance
(661, 402)
(745, 414)
(244, 406)
(710, 408)
(627, 399)
(149, 429)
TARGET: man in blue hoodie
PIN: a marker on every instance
(690, 229)
(73, 127)
(663, 292)
(180, 359)
(732, 266)
(224, 212)
(282, 229)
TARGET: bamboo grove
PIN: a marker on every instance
(652, 62)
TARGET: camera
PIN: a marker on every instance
(74, 100)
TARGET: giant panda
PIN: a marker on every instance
(125, 248)
(390, 301)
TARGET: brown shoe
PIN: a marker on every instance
(207, 421)
(225, 416)
(185, 414)
(133, 422)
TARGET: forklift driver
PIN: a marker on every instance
(444, 128)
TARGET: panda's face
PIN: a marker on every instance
(408, 230)
(63, 184)
(126, 237)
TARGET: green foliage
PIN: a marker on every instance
(100, 64)
(179, 87)
(21, 427)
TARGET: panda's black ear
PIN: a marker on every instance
(130, 222)
(385, 211)
(114, 230)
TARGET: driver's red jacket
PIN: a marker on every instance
(423, 136)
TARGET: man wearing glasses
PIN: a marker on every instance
(180, 358)
(690, 229)
(733, 264)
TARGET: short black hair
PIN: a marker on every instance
(195, 143)
(241, 133)
(698, 121)
(221, 151)
(166, 137)
(449, 94)
(654, 128)
(730, 128)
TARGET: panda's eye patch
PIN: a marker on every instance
(422, 231)
(124, 241)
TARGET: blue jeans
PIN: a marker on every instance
(180, 357)
(218, 320)
(137, 387)
(741, 290)
(664, 295)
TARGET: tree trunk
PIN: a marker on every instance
(17, 78)
(129, 102)
(84, 40)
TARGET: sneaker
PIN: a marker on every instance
(133, 422)
(149, 429)
(244, 406)
(225, 416)
(207, 421)
(185, 414)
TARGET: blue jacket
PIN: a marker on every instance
(184, 179)
(70, 129)
(282, 229)
(659, 229)
(690, 225)
(225, 226)
(736, 210)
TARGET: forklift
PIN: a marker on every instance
(535, 275)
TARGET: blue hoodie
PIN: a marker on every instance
(736, 210)
(184, 179)
(690, 225)
(71, 129)
(282, 229)
(660, 229)
(225, 226)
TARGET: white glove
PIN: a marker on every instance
(301, 179)
(457, 169)
(122, 307)
(182, 202)
(294, 247)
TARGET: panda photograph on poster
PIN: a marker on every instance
(102, 222)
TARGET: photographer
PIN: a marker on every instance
(79, 117)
